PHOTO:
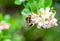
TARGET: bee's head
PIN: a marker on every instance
(28, 17)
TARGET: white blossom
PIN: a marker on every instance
(47, 9)
(42, 10)
(34, 18)
(45, 19)
(46, 23)
(40, 24)
(54, 22)
(4, 25)
(1, 27)
(45, 13)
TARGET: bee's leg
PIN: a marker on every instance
(30, 24)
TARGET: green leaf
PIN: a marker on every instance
(37, 4)
(48, 3)
(1, 35)
(25, 11)
(6, 2)
(17, 2)
(33, 33)
(26, 4)
(1, 16)
(33, 5)
(18, 38)
(13, 25)
(50, 35)
(7, 40)
(7, 17)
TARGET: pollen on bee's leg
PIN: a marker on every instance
(30, 24)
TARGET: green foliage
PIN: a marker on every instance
(7, 17)
(32, 33)
(6, 2)
(25, 11)
(34, 5)
(18, 38)
(37, 4)
(15, 24)
(18, 2)
(1, 16)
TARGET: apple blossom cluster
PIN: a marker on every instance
(45, 19)
(4, 25)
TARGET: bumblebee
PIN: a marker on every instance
(28, 20)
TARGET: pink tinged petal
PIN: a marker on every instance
(33, 20)
(46, 24)
(47, 9)
(43, 16)
(54, 20)
(33, 14)
(1, 27)
(48, 14)
(40, 24)
(6, 26)
(37, 20)
(42, 10)
(49, 25)
(56, 24)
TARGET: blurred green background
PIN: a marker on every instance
(19, 31)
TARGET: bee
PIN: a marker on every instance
(28, 20)
(31, 19)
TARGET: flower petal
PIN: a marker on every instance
(40, 24)
(53, 16)
(6, 26)
(47, 9)
(42, 10)
(1, 27)
(46, 23)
